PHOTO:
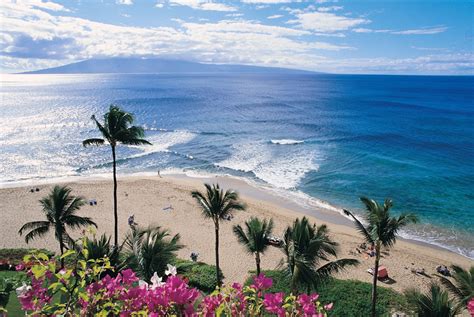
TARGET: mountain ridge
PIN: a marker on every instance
(158, 65)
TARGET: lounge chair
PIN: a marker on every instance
(382, 274)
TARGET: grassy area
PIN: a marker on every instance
(199, 274)
(350, 297)
(13, 307)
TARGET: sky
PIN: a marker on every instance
(336, 36)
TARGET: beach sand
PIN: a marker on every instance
(148, 196)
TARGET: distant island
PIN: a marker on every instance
(157, 65)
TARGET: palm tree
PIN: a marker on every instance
(381, 230)
(116, 129)
(463, 286)
(435, 303)
(60, 209)
(99, 248)
(150, 250)
(217, 205)
(255, 236)
(304, 247)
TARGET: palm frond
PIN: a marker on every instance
(93, 141)
(76, 222)
(38, 232)
(335, 266)
(360, 227)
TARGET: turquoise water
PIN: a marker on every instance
(334, 137)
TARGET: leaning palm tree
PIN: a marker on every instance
(217, 205)
(381, 230)
(150, 250)
(116, 129)
(60, 209)
(255, 237)
(304, 247)
(463, 286)
(435, 303)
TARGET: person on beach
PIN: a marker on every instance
(131, 222)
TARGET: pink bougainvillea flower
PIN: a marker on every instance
(261, 282)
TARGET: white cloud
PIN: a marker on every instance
(234, 15)
(266, 1)
(331, 8)
(72, 39)
(125, 2)
(326, 22)
(275, 16)
(44, 5)
(422, 31)
(204, 5)
(364, 30)
(460, 63)
(159, 5)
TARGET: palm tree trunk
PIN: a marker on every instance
(61, 248)
(294, 290)
(257, 260)
(219, 282)
(374, 284)
(115, 197)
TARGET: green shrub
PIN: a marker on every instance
(200, 275)
(350, 297)
(9, 258)
(15, 278)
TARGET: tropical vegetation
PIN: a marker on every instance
(59, 208)
(435, 302)
(380, 231)
(217, 204)
(116, 129)
(150, 250)
(81, 289)
(254, 237)
(305, 246)
(462, 286)
(350, 297)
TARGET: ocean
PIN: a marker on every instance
(330, 137)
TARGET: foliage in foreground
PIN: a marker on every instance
(198, 274)
(462, 286)
(9, 258)
(434, 303)
(81, 290)
(350, 297)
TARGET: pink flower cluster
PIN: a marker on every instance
(470, 306)
(124, 291)
(125, 295)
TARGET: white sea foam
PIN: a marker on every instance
(286, 141)
(163, 141)
(282, 169)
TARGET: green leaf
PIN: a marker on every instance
(68, 253)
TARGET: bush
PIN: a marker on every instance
(80, 290)
(14, 279)
(9, 258)
(199, 274)
(350, 297)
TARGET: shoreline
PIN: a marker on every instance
(148, 197)
(323, 211)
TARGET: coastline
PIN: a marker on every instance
(146, 195)
(308, 205)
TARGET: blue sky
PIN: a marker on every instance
(390, 37)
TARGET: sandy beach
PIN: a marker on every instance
(149, 198)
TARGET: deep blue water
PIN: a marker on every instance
(335, 137)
